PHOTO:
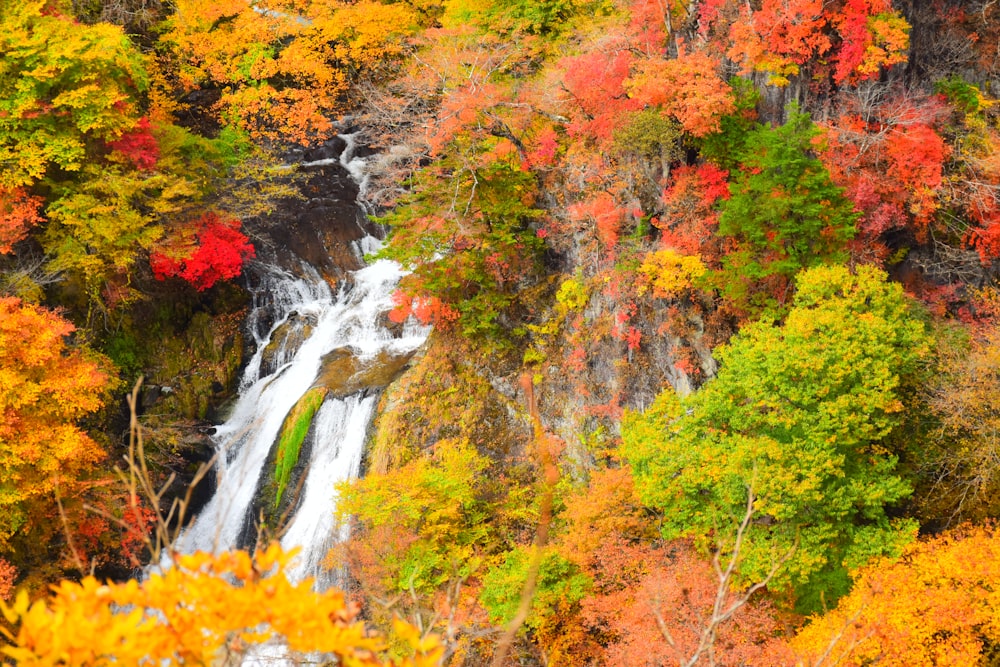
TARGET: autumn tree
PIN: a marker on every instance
(783, 37)
(46, 388)
(796, 414)
(468, 235)
(687, 88)
(284, 69)
(18, 214)
(532, 17)
(885, 150)
(935, 605)
(648, 601)
(62, 86)
(203, 252)
(8, 573)
(420, 534)
(957, 458)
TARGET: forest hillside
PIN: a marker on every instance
(714, 369)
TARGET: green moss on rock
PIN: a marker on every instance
(293, 434)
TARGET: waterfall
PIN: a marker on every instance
(299, 325)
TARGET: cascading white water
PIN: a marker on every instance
(352, 320)
(309, 322)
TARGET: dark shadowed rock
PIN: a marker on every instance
(322, 227)
(331, 149)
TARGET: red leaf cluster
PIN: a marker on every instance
(606, 214)
(218, 253)
(596, 84)
(139, 146)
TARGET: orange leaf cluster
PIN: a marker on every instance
(19, 212)
(596, 85)
(688, 88)
(689, 216)
(891, 166)
(938, 605)
(8, 574)
(649, 601)
(606, 214)
(45, 388)
(283, 70)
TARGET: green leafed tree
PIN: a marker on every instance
(784, 213)
(796, 416)
(468, 235)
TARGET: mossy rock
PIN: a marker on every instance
(444, 395)
(343, 373)
(293, 434)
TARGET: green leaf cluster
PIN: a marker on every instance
(518, 17)
(468, 236)
(435, 501)
(559, 582)
(784, 211)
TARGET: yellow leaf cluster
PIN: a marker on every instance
(668, 273)
(283, 70)
(205, 609)
(938, 605)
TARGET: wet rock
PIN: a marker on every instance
(322, 225)
(322, 228)
(343, 373)
(331, 149)
(395, 328)
(285, 340)
(151, 393)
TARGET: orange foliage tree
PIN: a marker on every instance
(8, 573)
(283, 68)
(688, 88)
(651, 601)
(937, 605)
(46, 387)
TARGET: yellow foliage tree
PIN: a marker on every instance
(668, 273)
(204, 609)
(938, 605)
(284, 68)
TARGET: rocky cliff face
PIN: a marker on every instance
(318, 227)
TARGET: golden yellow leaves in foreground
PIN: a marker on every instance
(206, 609)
